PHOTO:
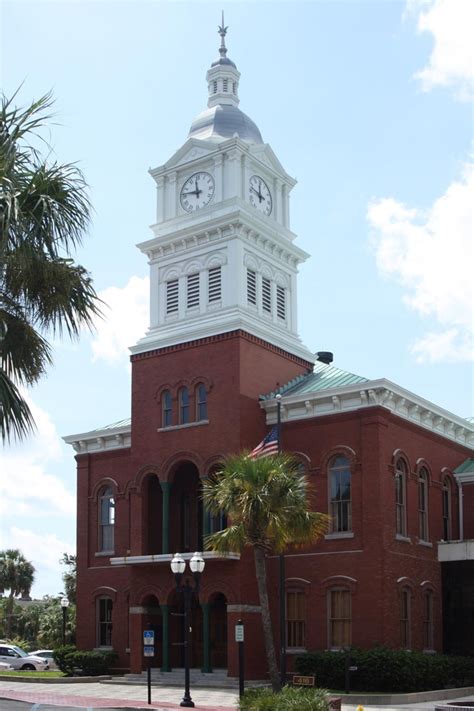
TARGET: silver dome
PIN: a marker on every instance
(224, 121)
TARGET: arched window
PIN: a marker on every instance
(400, 497)
(423, 504)
(183, 406)
(340, 494)
(106, 519)
(428, 628)
(201, 402)
(295, 619)
(339, 618)
(447, 525)
(104, 622)
(167, 409)
(405, 618)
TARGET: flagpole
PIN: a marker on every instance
(282, 573)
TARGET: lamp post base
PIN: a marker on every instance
(188, 703)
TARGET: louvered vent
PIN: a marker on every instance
(172, 303)
(193, 290)
(266, 295)
(251, 287)
(281, 302)
(215, 284)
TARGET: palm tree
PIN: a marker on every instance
(266, 500)
(16, 575)
(44, 213)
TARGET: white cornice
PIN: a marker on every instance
(234, 218)
(374, 393)
(103, 440)
(219, 322)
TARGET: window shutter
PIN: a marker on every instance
(281, 302)
(266, 295)
(193, 290)
(172, 289)
(251, 287)
(215, 285)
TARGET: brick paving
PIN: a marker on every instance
(96, 696)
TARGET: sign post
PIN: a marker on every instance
(149, 651)
(239, 638)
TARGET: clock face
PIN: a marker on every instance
(259, 195)
(197, 191)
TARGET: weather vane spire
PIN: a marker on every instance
(222, 32)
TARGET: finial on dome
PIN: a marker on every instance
(222, 31)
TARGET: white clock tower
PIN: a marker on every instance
(222, 256)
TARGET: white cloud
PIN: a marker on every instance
(430, 253)
(44, 550)
(452, 59)
(125, 320)
(26, 486)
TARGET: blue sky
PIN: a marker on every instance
(368, 104)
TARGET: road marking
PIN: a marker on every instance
(35, 707)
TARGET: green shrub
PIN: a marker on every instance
(290, 699)
(388, 670)
(72, 661)
(64, 658)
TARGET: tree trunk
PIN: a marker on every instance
(261, 574)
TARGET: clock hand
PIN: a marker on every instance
(198, 192)
(193, 192)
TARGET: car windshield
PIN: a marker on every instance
(20, 651)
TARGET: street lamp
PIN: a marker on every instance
(64, 606)
(178, 566)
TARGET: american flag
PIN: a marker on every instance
(268, 445)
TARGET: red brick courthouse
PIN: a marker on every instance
(393, 470)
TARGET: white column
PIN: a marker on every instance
(171, 202)
(154, 295)
(219, 178)
(286, 206)
(292, 309)
(233, 173)
(160, 199)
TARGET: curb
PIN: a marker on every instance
(54, 680)
(419, 696)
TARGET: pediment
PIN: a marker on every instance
(191, 150)
(266, 155)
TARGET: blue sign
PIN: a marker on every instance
(149, 637)
(148, 651)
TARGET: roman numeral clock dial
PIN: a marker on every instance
(260, 196)
(197, 191)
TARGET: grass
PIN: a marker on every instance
(35, 674)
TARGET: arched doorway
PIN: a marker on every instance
(153, 504)
(218, 630)
(185, 509)
(152, 620)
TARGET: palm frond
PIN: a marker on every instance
(15, 415)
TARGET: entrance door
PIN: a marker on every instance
(219, 631)
(177, 632)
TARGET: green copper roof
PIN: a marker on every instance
(466, 466)
(323, 377)
(115, 425)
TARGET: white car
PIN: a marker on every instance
(10, 654)
(5, 667)
(46, 654)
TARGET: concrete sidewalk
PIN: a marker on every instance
(94, 696)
